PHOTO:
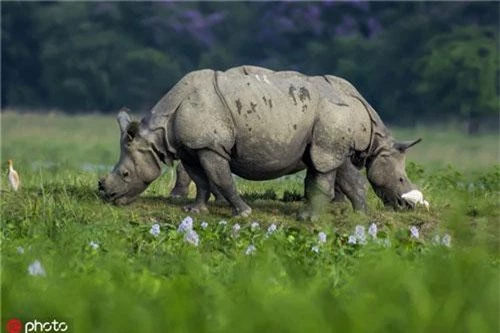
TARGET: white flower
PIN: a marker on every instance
(359, 231)
(352, 239)
(315, 249)
(186, 225)
(415, 197)
(255, 225)
(271, 229)
(155, 229)
(36, 269)
(222, 222)
(250, 249)
(360, 235)
(372, 230)
(236, 228)
(322, 238)
(192, 237)
(20, 250)
(204, 225)
(414, 232)
(446, 240)
(436, 240)
(94, 245)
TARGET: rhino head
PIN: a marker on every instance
(386, 173)
(139, 164)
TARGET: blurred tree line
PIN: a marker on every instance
(414, 61)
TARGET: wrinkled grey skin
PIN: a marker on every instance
(349, 182)
(260, 125)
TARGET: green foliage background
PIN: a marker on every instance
(414, 61)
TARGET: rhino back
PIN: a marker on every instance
(268, 105)
(347, 89)
(273, 115)
(174, 97)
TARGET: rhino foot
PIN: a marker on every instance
(195, 209)
(245, 213)
(306, 215)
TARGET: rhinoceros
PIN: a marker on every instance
(349, 182)
(258, 124)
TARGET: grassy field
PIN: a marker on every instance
(70, 257)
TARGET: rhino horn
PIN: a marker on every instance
(403, 146)
(123, 119)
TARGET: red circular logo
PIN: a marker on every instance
(14, 326)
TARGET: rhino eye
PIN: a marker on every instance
(125, 174)
(401, 180)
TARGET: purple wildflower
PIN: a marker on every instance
(192, 237)
(414, 232)
(186, 225)
(250, 249)
(36, 269)
(155, 229)
(322, 238)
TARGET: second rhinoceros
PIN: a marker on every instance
(258, 124)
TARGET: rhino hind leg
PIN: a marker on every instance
(319, 191)
(202, 188)
(219, 198)
(182, 181)
(219, 174)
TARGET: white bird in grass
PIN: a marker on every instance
(415, 197)
(14, 180)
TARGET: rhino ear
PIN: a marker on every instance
(123, 119)
(403, 146)
(132, 130)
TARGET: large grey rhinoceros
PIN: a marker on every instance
(259, 124)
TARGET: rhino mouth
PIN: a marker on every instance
(123, 200)
(115, 198)
(393, 200)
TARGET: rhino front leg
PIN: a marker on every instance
(219, 174)
(181, 187)
(202, 188)
(182, 181)
(351, 183)
(319, 191)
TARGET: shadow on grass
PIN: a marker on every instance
(288, 196)
(262, 208)
(259, 206)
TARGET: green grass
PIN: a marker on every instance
(137, 282)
